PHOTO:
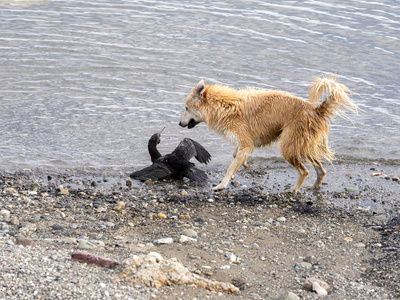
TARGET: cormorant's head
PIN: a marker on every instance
(156, 138)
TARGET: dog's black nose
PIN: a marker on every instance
(180, 124)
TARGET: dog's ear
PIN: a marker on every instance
(200, 89)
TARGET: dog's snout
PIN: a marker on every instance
(180, 124)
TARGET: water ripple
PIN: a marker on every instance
(86, 83)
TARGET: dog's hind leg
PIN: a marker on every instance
(240, 158)
(245, 164)
(321, 173)
(303, 173)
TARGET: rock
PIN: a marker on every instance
(148, 182)
(162, 216)
(5, 212)
(154, 257)
(395, 177)
(281, 219)
(109, 224)
(6, 215)
(303, 265)
(163, 241)
(190, 233)
(25, 242)
(320, 290)
(184, 217)
(359, 245)
(232, 257)
(308, 284)
(85, 245)
(120, 205)
(57, 227)
(292, 296)
(348, 239)
(364, 209)
(351, 189)
(184, 193)
(153, 270)
(63, 191)
(14, 221)
(186, 239)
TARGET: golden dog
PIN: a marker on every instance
(252, 118)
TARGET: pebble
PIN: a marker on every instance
(232, 257)
(85, 245)
(163, 241)
(308, 284)
(25, 242)
(63, 191)
(184, 217)
(190, 233)
(359, 245)
(120, 205)
(14, 221)
(161, 216)
(320, 290)
(292, 296)
(6, 217)
(186, 239)
(281, 219)
(109, 224)
(364, 209)
(303, 265)
(57, 227)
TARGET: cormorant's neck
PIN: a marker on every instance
(154, 153)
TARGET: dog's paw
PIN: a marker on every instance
(219, 187)
(291, 191)
(312, 188)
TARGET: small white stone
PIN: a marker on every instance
(186, 239)
(281, 219)
(292, 296)
(164, 241)
(320, 290)
(232, 257)
(156, 256)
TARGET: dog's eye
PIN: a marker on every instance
(187, 108)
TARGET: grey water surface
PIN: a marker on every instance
(86, 83)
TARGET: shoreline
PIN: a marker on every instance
(345, 234)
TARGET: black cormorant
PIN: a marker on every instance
(175, 165)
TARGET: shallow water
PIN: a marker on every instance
(85, 84)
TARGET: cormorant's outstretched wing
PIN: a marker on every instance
(154, 172)
(188, 148)
(195, 174)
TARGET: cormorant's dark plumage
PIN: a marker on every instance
(175, 165)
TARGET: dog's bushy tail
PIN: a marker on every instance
(338, 98)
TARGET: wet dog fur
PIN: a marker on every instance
(251, 118)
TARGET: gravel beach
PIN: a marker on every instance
(265, 242)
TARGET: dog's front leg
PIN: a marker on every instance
(241, 156)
